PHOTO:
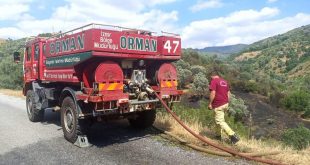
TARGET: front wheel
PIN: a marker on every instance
(34, 114)
(72, 126)
(144, 119)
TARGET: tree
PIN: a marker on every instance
(200, 84)
(198, 69)
(181, 64)
(184, 77)
(11, 74)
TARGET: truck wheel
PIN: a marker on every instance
(143, 120)
(71, 125)
(34, 114)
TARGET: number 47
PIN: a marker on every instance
(167, 45)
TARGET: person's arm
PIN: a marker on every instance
(212, 96)
(229, 95)
(212, 88)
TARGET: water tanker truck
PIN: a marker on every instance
(98, 72)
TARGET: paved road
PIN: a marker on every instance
(24, 142)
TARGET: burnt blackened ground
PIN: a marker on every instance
(269, 120)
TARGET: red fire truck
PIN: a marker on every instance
(100, 72)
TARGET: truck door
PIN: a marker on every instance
(28, 63)
(35, 63)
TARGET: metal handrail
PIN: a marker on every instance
(97, 24)
(120, 28)
(172, 34)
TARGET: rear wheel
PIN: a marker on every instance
(34, 114)
(72, 126)
(143, 120)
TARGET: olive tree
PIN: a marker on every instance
(197, 69)
(200, 84)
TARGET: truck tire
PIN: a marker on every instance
(72, 126)
(143, 120)
(34, 114)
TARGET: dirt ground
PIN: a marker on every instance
(268, 120)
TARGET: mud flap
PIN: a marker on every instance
(39, 96)
(82, 141)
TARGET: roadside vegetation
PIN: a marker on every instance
(11, 74)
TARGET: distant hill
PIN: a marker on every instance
(223, 51)
(286, 55)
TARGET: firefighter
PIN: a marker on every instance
(219, 99)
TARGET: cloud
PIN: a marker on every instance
(245, 26)
(12, 11)
(75, 13)
(12, 32)
(252, 15)
(271, 1)
(200, 5)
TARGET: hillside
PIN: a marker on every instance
(223, 51)
(282, 56)
(2, 40)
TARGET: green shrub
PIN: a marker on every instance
(200, 84)
(251, 86)
(297, 101)
(237, 108)
(196, 69)
(298, 138)
(11, 74)
(184, 77)
(306, 115)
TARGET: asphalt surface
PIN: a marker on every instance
(24, 142)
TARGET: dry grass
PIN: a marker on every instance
(16, 93)
(247, 55)
(297, 72)
(288, 155)
(167, 123)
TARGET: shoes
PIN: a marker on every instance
(234, 139)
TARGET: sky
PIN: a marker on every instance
(200, 23)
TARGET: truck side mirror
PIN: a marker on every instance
(16, 56)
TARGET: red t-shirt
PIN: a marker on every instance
(221, 88)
